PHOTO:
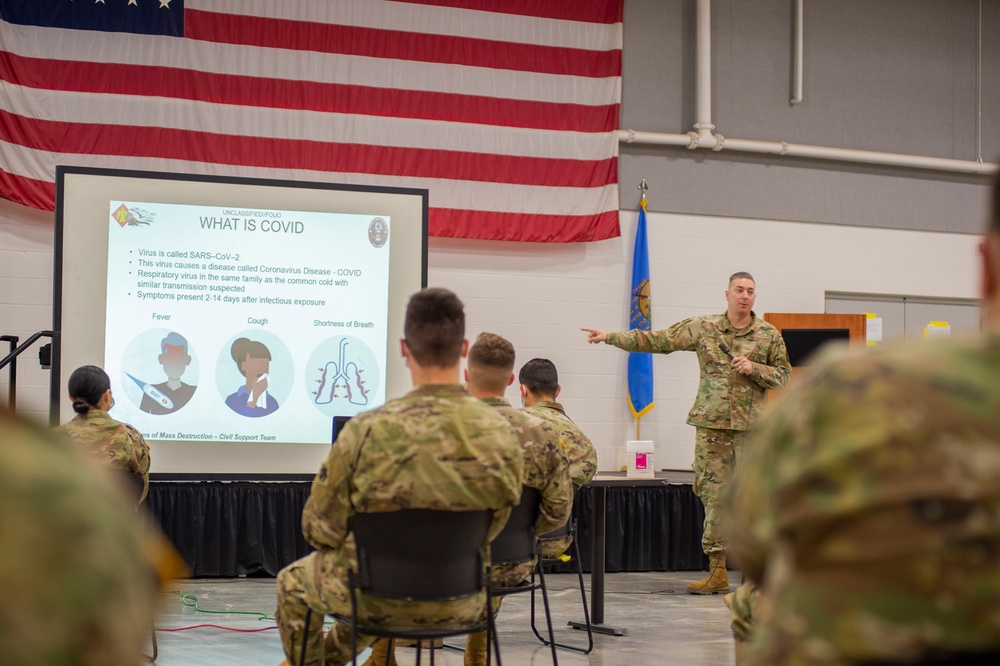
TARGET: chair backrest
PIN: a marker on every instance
(421, 554)
(516, 543)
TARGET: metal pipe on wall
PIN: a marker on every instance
(703, 137)
(717, 142)
(797, 86)
(703, 70)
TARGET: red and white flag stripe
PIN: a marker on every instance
(509, 119)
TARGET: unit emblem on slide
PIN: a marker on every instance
(132, 217)
(378, 232)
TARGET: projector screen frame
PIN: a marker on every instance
(57, 384)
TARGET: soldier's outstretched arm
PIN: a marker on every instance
(595, 335)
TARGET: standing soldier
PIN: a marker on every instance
(399, 457)
(740, 357)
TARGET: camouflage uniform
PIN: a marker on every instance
(868, 508)
(117, 444)
(579, 449)
(546, 469)
(728, 402)
(77, 587)
(435, 448)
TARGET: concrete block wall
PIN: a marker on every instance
(538, 295)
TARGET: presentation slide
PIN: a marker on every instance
(236, 318)
(228, 324)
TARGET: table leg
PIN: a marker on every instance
(597, 555)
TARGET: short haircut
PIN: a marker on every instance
(435, 327)
(86, 386)
(491, 360)
(243, 347)
(174, 339)
(741, 275)
(539, 375)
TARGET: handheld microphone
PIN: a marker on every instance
(725, 350)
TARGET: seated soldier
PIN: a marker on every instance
(387, 460)
(78, 587)
(546, 468)
(867, 511)
(539, 389)
(117, 445)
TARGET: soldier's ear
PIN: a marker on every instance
(510, 380)
(465, 348)
(558, 388)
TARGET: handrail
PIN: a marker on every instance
(11, 359)
(12, 392)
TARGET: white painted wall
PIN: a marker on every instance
(538, 295)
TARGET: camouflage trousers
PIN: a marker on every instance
(318, 581)
(716, 454)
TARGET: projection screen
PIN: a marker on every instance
(235, 317)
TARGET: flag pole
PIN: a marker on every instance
(642, 204)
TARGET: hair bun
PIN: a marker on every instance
(81, 406)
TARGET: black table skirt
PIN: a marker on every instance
(245, 528)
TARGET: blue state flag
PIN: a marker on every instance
(640, 365)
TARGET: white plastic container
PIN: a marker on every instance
(639, 456)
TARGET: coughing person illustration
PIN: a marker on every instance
(253, 359)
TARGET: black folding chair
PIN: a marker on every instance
(132, 484)
(418, 555)
(518, 543)
(569, 529)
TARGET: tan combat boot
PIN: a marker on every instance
(717, 579)
(380, 650)
(475, 649)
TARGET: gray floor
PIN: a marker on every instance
(664, 625)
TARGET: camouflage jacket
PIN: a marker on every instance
(437, 447)
(71, 550)
(579, 449)
(868, 507)
(117, 444)
(546, 467)
(727, 400)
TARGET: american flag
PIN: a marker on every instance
(506, 111)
